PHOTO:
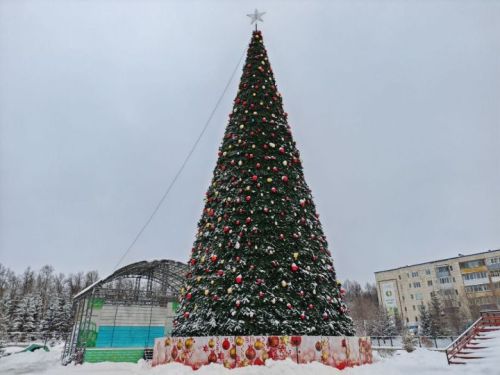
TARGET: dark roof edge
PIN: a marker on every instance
(438, 261)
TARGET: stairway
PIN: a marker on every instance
(471, 345)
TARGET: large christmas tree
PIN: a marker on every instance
(260, 263)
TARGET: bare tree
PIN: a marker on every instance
(90, 278)
(363, 305)
(27, 281)
(75, 282)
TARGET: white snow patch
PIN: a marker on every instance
(420, 362)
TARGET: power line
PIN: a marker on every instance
(183, 165)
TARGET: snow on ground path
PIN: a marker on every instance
(420, 362)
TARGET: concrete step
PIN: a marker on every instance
(488, 329)
(468, 357)
(473, 347)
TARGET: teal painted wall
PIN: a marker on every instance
(128, 336)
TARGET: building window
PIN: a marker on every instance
(416, 318)
(446, 292)
(416, 284)
(494, 260)
(483, 301)
(399, 277)
(407, 275)
(414, 307)
(411, 295)
(403, 298)
(406, 310)
(475, 275)
(429, 282)
(419, 296)
(445, 280)
(472, 263)
(409, 285)
(407, 320)
(477, 288)
(414, 274)
(427, 271)
(495, 273)
(456, 292)
(443, 269)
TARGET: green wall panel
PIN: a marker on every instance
(115, 355)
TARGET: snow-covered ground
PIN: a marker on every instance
(420, 362)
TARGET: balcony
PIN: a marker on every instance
(476, 281)
(443, 273)
(493, 267)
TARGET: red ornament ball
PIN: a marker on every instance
(239, 279)
(188, 296)
(294, 267)
(284, 178)
(248, 198)
(226, 229)
(254, 178)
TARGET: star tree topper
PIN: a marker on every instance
(255, 17)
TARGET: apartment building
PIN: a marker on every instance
(468, 283)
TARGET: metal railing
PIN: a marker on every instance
(487, 318)
(396, 342)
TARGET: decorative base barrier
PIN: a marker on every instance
(240, 351)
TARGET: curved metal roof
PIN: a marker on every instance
(169, 273)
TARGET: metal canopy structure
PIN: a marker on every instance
(146, 285)
(166, 275)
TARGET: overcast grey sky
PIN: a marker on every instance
(395, 107)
